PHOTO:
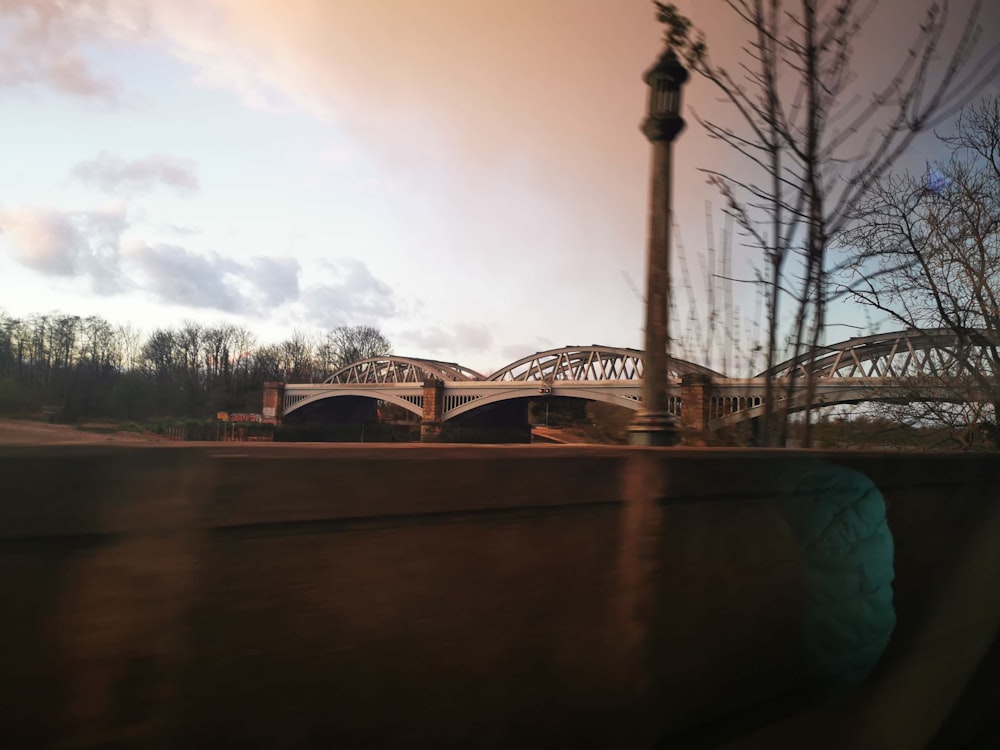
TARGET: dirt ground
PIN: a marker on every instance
(26, 432)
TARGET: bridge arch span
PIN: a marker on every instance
(627, 398)
(412, 403)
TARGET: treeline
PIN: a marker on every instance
(86, 367)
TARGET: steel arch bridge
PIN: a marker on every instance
(595, 373)
(900, 366)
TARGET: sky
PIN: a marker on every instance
(468, 176)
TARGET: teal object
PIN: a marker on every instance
(838, 518)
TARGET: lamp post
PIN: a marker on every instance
(654, 425)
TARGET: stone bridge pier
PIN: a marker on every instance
(430, 421)
(696, 393)
(274, 402)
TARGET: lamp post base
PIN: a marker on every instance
(654, 428)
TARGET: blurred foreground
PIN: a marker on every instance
(269, 595)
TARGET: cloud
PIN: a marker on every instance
(472, 338)
(276, 279)
(65, 71)
(458, 86)
(68, 244)
(181, 277)
(113, 174)
(462, 118)
(514, 352)
(432, 339)
(457, 340)
(46, 242)
(42, 42)
(92, 245)
(354, 296)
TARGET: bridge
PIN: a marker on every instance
(899, 367)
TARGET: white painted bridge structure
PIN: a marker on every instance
(914, 365)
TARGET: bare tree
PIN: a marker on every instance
(266, 364)
(343, 345)
(298, 359)
(159, 355)
(243, 344)
(926, 254)
(811, 144)
(129, 341)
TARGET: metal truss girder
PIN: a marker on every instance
(393, 369)
(930, 351)
(589, 364)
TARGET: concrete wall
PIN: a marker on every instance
(347, 596)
